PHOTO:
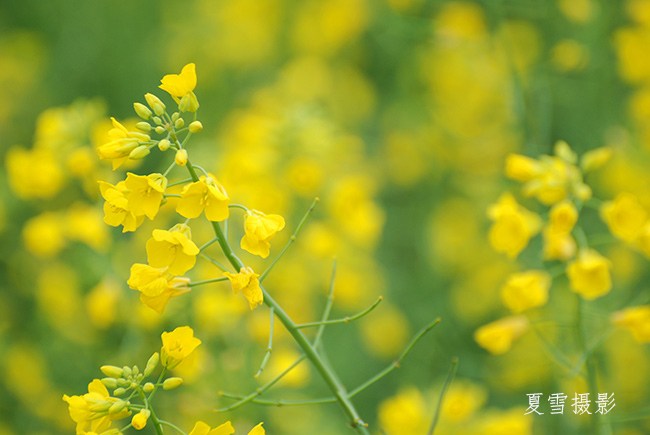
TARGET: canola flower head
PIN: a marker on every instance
(589, 274)
(91, 410)
(526, 290)
(636, 320)
(177, 345)
(513, 226)
(116, 207)
(625, 216)
(204, 196)
(145, 192)
(156, 285)
(181, 87)
(172, 249)
(122, 143)
(497, 337)
(259, 228)
(247, 282)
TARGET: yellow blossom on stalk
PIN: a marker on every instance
(181, 87)
(91, 411)
(259, 229)
(156, 286)
(589, 275)
(116, 207)
(177, 345)
(173, 249)
(596, 158)
(521, 168)
(201, 428)
(625, 216)
(404, 413)
(558, 242)
(33, 173)
(139, 420)
(207, 195)
(526, 290)
(247, 281)
(513, 226)
(563, 217)
(497, 337)
(636, 320)
(144, 193)
(122, 143)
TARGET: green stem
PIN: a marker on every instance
(207, 281)
(445, 387)
(269, 347)
(328, 375)
(346, 319)
(173, 426)
(590, 369)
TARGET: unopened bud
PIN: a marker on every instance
(139, 421)
(142, 111)
(196, 126)
(155, 103)
(139, 153)
(175, 116)
(100, 406)
(189, 103)
(179, 123)
(112, 371)
(117, 406)
(123, 383)
(160, 129)
(143, 126)
(156, 120)
(181, 157)
(148, 387)
(119, 391)
(152, 363)
(164, 145)
(109, 383)
(127, 371)
(171, 383)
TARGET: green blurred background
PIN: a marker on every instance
(398, 114)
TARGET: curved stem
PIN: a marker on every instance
(346, 319)
(450, 377)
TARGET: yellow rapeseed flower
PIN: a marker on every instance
(156, 286)
(181, 87)
(173, 249)
(405, 413)
(521, 168)
(589, 275)
(121, 144)
(91, 411)
(201, 428)
(526, 290)
(558, 242)
(563, 217)
(625, 216)
(636, 320)
(144, 193)
(207, 195)
(139, 420)
(497, 337)
(513, 226)
(259, 229)
(116, 207)
(177, 345)
(247, 281)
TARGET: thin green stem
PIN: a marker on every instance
(176, 183)
(346, 319)
(450, 378)
(269, 347)
(213, 261)
(168, 170)
(207, 244)
(156, 423)
(292, 239)
(590, 369)
(328, 308)
(396, 364)
(281, 402)
(207, 281)
(172, 195)
(173, 426)
(239, 206)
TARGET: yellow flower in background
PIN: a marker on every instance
(405, 413)
(144, 193)
(462, 401)
(91, 411)
(589, 275)
(121, 144)
(33, 173)
(173, 249)
(43, 235)
(259, 229)
(563, 217)
(177, 345)
(526, 290)
(497, 337)
(179, 85)
(247, 282)
(522, 168)
(513, 226)
(625, 216)
(156, 286)
(206, 195)
(636, 320)
(558, 242)
(596, 158)
(139, 420)
(116, 207)
(201, 428)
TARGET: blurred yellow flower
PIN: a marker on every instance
(589, 275)
(177, 345)
(596, 158)
(462, 401)
(625, 216)
(144, 193)
(247, 281)
(404, 413)
(156, 286)
(121, 144)
(43, 235)
(201, 428)
(116, 207)
(513, 225)
(558, 242)
(562, 217)
(259, 229)
(207, 195)
(497, 337)
(33, 173)
(526, 290)
(139, 420)
(173, 249)
(636, 320)
(521, 168)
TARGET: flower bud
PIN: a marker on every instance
(126, 370)
(143, 126)
(148, 387)
(152, 363)
(188, 103)
(196, 126)
(112, 371)
(139, 421)
(175, 116)
(171, 383)
(119, 391)
(139, 153)
(117, 406)
(181, 157)
(156, 120)
(164, 145)
(109, 383)
(155, 103)
(123, 383)
(101, 406)
(142, 111)
(180, 123)
(159, 130)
